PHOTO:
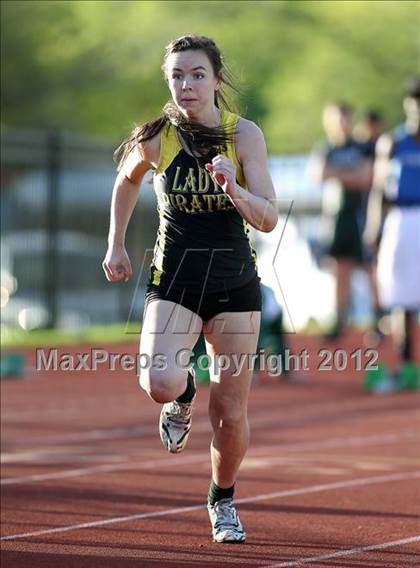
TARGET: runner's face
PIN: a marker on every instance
(191, 81)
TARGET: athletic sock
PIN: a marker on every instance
(189, 392)
(216, 493)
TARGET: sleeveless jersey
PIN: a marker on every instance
(202, 241)
(403, 187)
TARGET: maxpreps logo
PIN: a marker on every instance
(54, 360)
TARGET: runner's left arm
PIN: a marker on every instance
(257, 204)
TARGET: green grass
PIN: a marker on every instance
(97, 334)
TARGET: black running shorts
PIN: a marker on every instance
(247, 298)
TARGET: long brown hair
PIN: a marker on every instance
(199, 139)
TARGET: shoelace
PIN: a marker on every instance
(179, 413)
(226, 514)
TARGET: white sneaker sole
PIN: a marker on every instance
(170, 445)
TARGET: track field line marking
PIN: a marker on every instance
(330, 443)
(106, 468)
(389, 438)
(348, 552)
(263, 497)
(356, 461)
(259, 418)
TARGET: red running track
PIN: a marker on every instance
(332, 476)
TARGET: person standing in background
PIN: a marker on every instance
(370, 129)
(344, 167)
(397, 182)
(368, 132)
(272, 338)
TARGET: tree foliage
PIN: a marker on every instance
(94, 66)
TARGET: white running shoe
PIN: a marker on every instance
(225, 522)
(175, 424)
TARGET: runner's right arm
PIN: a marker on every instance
(142, 158)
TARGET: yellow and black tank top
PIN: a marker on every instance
(202, 241)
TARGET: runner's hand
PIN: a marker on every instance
(116, 264)
(223, 172)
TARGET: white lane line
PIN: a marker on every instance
(102, 434)
(348, 552)
(106, 468)
(255, 419)
(92, 436)
(330, 443)
(263, 497)
(95, 435)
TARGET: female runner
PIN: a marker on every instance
(211, 180)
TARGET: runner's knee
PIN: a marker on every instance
(229, 414)
(163, 385)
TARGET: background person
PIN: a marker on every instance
(344, 167)
(368, 131)
(397, 179)
(272, 338)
